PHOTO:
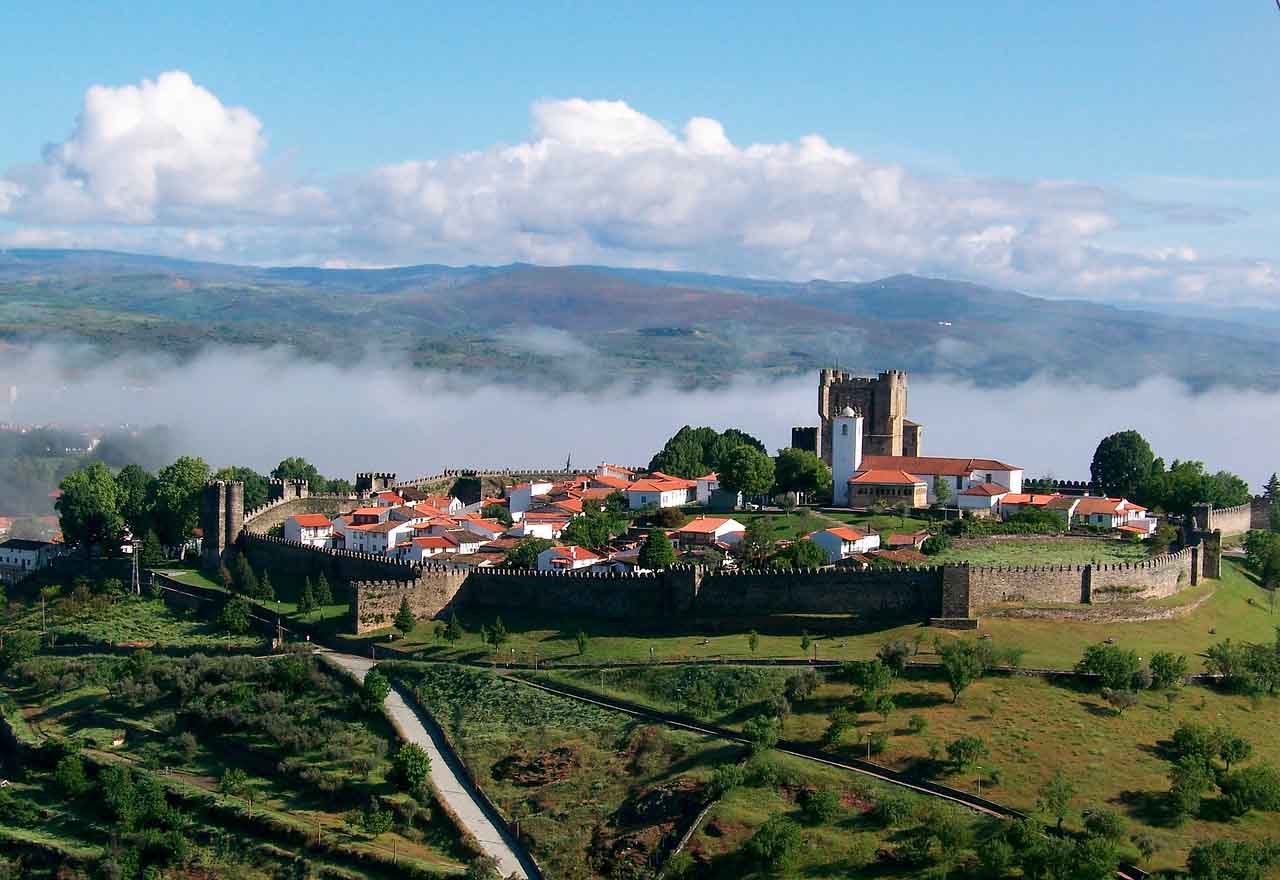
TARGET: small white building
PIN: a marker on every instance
(1113, 513)
(957, 473)
(19, 557)
(983, 497)
(380, 537)
(841, 542)
(708, 530)
(389, 499)
(312, 529)
(660, 490)
(520, 498)
(484, 528)
(567, 558)
(539, 525)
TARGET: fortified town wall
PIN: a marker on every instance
(378, 584)
(1255, 514)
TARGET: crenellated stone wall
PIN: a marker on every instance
(876, 592)
(263, 519)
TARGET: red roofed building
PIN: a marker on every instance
(1113, 513)
(981, 497)
(841, 542)
(888, 486)
(389, 499)
(313, 529)
(660, 490)
(708, 530)
(958, 473)
(566, 558)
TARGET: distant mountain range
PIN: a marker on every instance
(581, 326)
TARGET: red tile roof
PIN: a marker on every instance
(935, 466)
(986, 489)
(706, 525)
(1031, 499)
(663, 484)
(574, 553)
(885, 477)
(611, 482)
(311, 520)
(844, 533)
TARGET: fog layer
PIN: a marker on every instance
(256, 407)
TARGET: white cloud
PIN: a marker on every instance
(598, 181)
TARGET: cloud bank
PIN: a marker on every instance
(166, 166)
(257, 407)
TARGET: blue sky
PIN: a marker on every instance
(1152, 102)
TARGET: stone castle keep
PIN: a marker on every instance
(946, 594)
(882, 402)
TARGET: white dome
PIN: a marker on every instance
(848, 413)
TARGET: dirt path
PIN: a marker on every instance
(448, 777)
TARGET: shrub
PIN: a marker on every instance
(374, 690)
(762, 731)
(726, 778)
(1120, 700)
(1252, 788)
(917, 724)
(965, 751)
(822, 806)
(895, 655)
(775, 843)
(1232, 859)
(892, 810)
(69, 775)
(1104, 824)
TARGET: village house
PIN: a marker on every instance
(841, 542)
(707, 485)
(704, 530)
(312, 529)
(568, 558)
(520, 497)
(660, 490)
(957, 473)
(982, 498)
(1113, 513)
(19, 557)
(379, 537)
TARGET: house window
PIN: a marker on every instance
(844, 430)
(988, 478)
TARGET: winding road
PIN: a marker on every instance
(447, 776)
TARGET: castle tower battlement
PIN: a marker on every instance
(882, 402)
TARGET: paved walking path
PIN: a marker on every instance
(447, 776)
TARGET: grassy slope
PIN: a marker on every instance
(1030, 552)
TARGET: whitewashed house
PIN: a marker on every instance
(841, 542)
(312, 529)
(568, 558)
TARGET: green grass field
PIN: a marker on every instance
(145, 622)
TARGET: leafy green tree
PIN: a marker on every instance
(1232, 860)
(374, 689)
(454, 631)
(1114, 666)
(411, 767)
(965, 751)
(801, 472)
(175, 499)
(1056, 796)
(942, 492)
(594, 529)
(132, 489)
(895, 654)
(1235, 749)
(801, 554)
(298, 468)
(233, 781)
(762, 732)
(961, 665)
(404, 620)
(1189, 778)
(1256, 787)
(498, 634)
(20, 645)
(747, 470)
(753, 640)
(1121, 463)
(234, 616)
(775, 843)
(498, 512)
(692, 452)
(88, 509)
(582, 640)
(525, 553)
(656, 552)
(1167, 669)
(1120, 699)
(69, 775)
(757, 546)
(483, 867)
(255, 484)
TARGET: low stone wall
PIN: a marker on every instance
(289, 562)
(886, 592)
